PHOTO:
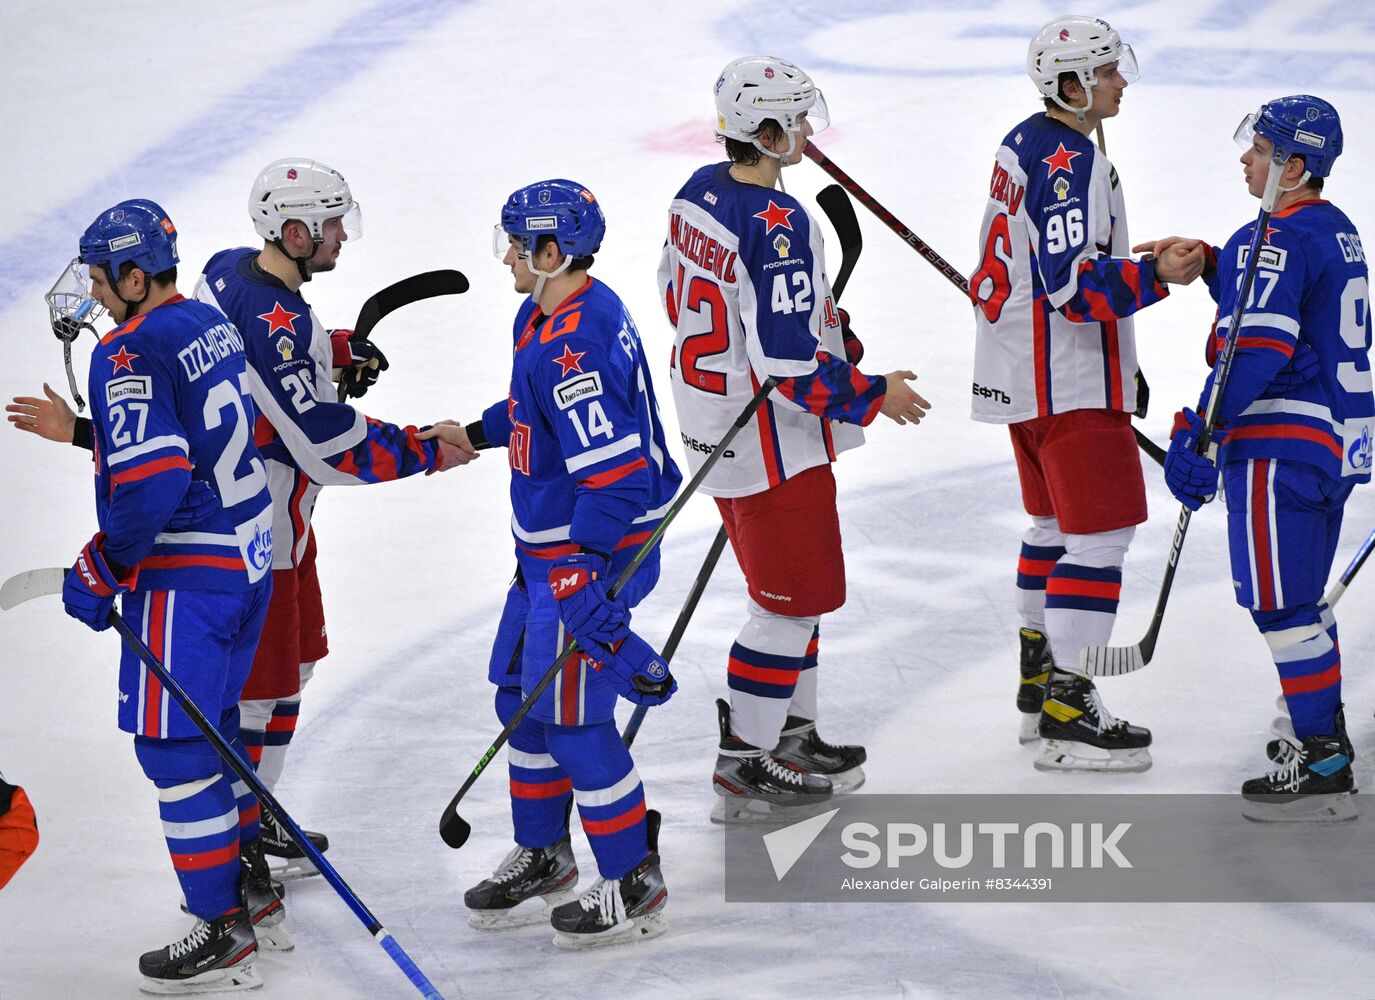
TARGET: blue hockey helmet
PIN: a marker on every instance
(563, 209)
(137, 231)
(1298, 126)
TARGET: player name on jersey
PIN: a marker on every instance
(701, 249)
(209, 349)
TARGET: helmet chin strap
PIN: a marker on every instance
(784, 157)
(1298, 183)
(545, 275)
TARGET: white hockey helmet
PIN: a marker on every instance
(1079, 45)
(311, 192)
(755, 89)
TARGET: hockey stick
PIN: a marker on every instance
(1337, 589)
(841, 213)
(699, 586)
(454, 828)
(416, 288)
(30, 584)
(942, 265)
(1112, 661)
(250, 778)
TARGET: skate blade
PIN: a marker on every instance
(1071, 755)
(643, 928)
(274, 938)
(1027, 733)
(844, 782)
(523, 914)
(291, 868)
(1332, 808)
(734, 809)
(239, 977)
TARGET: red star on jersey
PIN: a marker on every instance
(776, 216)
(1268, 230)
(280, 319)
(1061, 159)
(569, 361)
(124, 360)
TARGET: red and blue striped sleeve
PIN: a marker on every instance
(836, 390)
(1112, 288)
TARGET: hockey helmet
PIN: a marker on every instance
(1297, 126)
(138, 232)
(1077, 45)
(563, 209)
(305, 190)
(755, 89)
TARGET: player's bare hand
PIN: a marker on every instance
(1178, 260)
(901, 403)
(49, 418)
(454, 446)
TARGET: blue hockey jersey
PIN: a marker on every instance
(170, 403)
(308, 438)
(1311, 288)
(589, 466)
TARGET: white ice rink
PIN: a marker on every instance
(435, 112)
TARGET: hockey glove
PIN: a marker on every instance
(635, 670)
(1298, 370)
(1191, 477)
(358, 360)
(854, 347)
(589, 615)
(91, 586)
(199, 502)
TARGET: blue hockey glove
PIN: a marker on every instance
(1191, 477)
(635, 670)
(199, 502)
(91, 586)
(1299, 369)
(589, 615)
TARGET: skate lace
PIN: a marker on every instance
(1094, 705)
(513, 864)
(605, 898)
(780, 771)
(198, 936)
(1285, 773)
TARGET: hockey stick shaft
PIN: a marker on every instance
(1334, 594)
(699, 586)
(249, 777)
(922, 247)
(416, 288)
(452, 827)
(1111, 661)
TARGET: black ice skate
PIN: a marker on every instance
(1311, 782)
(277, 843)
(544, 874)
(799, 744)
(751, 783)
(216, 957)
(1283, 729)
(265, 906)
(1031, 692)
(1078, 734)
(617, 911)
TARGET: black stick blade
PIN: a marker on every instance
(454, 828)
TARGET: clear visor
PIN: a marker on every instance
(1126, 64)
(818, 116)
(71, 307)
(501, 243)
(353, 221)
(1245, 135)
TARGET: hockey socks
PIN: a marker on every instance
(1042, 547)
(803, 704)
(765, 663)
(1310, 672)
(607, 788)
(540, 788)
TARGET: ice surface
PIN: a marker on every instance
(435, 112)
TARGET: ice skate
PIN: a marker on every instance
(277, 844)
(617, 911)
(526, 886)
(1031, 692)
(216, 957)
(1311, 782)
(800, 745)
(1282, 728)
(265, 906)
(1078, 734)
(751, 783)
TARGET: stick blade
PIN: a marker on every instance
(426, 285)
(454, 828)
(1112, 661)
(30, 584)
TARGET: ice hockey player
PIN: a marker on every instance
(743, 281)
(591, 477)
(1296, 415)
(1055, 359)
(170, 407)
(18, 830)
(304, 211)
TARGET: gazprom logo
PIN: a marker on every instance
(1360, 454)
(260, 549)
